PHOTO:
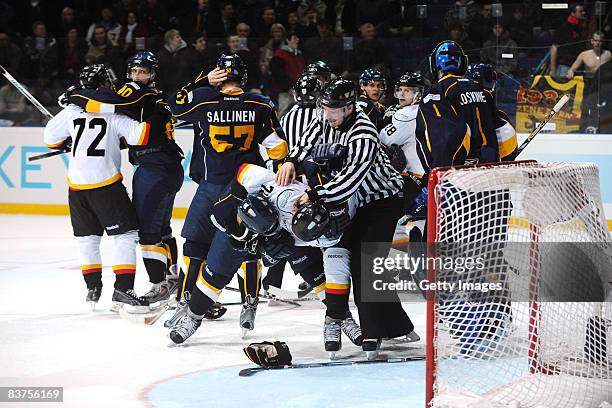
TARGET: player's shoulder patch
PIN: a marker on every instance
(431, 97)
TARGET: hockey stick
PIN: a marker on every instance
(264, 296)
(548, 117)
(299, 295)
(247, 372)
(48, 154)
(25, 93)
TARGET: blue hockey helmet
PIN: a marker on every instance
(258, 214)
(448, 56)
(484, 74)
(235, 68)
(143, 59)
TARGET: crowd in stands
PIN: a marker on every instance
(44, 43)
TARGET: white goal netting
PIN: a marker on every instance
(528, 326)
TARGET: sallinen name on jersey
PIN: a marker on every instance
(230, 116)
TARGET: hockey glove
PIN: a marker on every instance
(245, 242)
(331, 155)
(268, 354)
(62, 100)
(275, 247)
(396, 156)
(339, 220)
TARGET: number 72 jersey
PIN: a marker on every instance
(95, 159)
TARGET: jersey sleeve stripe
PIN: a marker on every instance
(144, 135)
(241, 171)
(54, 145)
(279, 151)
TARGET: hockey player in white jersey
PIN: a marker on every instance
(97, 198)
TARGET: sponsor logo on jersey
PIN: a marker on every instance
(431, 97)
(300, 260)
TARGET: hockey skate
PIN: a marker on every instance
(181, 310)
(332, 332)
(185, 328)
(93, 296)
(137, 304)
(411, 337)
(247, 315)
(158, 295)
(371, 347)
(352, 330)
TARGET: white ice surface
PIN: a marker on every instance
(48, 336)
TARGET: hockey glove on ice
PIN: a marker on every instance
(268, 354)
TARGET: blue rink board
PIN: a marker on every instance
(361, 386)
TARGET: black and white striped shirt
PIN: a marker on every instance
(367, 171)
(296, 121)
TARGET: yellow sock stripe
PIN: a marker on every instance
(154, 252)
(186, 259)
(124, 266)
(332, 285)
(90, 266)
(208, 289)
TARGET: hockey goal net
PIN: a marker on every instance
(538, 337)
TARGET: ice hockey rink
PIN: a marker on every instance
(49, 337)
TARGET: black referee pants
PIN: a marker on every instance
(375, 222)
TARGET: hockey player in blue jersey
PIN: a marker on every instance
(229, 127)
(373, 85)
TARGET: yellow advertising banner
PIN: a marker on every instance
(535, 102)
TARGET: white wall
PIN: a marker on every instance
(40, 186)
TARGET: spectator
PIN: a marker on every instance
(13, 107)
(479, 29)
(324, 47)
(244, 33)
(342, 16)
(369, 51)
(41, 53)
(155, 16)
(202, 57)
(10, 54)
(203, 19)
(102, 51)
(174, 69)
(518, 26)
(277, 36)
(228, 18)
(495, 47)
(236, 46)
(568, 41)
(110, 24)
(72, 56)
(286, 67)
(306, 7)
(268, 19)
(591, 59)
(133, 35)
(294, 25)
(68, 22)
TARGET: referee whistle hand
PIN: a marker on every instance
(286, 174)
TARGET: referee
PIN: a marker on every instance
(294, 124)
(367, 174)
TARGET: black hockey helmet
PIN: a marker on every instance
(370, 75)
(310, 221)
(258, 214)
(320, 69)
(95, 76)
(448, 56)
(143, 59)
(412, 79)
(338, 93)
(307, 90)
(484, 74)
(235, 68)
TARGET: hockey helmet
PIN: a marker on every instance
(235, 68)
(258, 214)
(307, 90)
(143, 59)
(370, 75)
(448, 56)
(484, 74)
(310, 221)
(95, 76)
(338, 93)
(411, 80)
(320, 69)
